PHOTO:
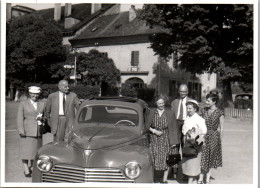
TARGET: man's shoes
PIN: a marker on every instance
(27, 175)
(164, 182)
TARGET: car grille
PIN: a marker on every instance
(74, 174)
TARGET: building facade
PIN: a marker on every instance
(125, 39)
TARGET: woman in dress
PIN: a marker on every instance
(212, 151)
(164, 135)
(27, 124)
(193, 125)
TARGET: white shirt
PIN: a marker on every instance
(194, 121)
(61, 103)
(34, 104)
(184, 108)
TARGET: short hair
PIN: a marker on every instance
(161, 96)
(213, 97)
(195, 106)
(62, 81)
(184, 85)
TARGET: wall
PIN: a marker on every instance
(121, 56)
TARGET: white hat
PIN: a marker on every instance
(34, 89)
(193, 101)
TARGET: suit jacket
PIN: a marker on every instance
(172, 125)
(175, 105)
(26, 117)
(52, 111)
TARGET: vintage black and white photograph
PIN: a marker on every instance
(128, 93)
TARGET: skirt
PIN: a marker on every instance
(191, 166)
(29, 147)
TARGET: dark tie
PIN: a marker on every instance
(64, 103)
(181, 111)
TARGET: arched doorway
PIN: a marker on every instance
(135, 82)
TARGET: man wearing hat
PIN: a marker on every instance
(30, 138)
(60, 111)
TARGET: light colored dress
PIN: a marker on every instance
(191, 165)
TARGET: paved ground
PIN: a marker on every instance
(237, 152)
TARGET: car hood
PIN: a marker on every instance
(102, 136)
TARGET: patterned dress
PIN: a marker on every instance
(160, 144)
(212, 150)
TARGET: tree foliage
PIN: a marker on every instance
(97, 69)
(34, 49)
(214, 38)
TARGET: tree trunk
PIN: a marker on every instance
(227, 94)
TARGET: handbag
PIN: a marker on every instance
(173, 159)
(45, 128)
(189, 151)
(174, 156)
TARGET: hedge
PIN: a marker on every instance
(82, 91)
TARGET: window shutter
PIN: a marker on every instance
(135, 58)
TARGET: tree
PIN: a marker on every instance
(209, 38)
(97, 69)
(34, 50)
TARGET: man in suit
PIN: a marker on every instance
(60, 111)
(179, 107)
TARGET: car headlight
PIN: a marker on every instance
(44, 163)
(132, 170)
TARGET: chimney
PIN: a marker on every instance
(67, 9)
(8, 11)
(57, 11)
(132, 13)
(95, 7)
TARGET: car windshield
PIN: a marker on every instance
(115, 115)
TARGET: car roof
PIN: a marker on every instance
(244, 94)
(116, 98)
(121, 101)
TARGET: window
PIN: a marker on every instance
(135, 82)
(107, 115)
(135, 58)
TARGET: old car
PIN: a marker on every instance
(244, 101)
(108, 143)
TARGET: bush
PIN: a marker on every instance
(146, 94)
(127, 90)
(85, 92)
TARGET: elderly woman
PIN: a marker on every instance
(28, 129)
(212, 151)
(163, 129)
(194, 129)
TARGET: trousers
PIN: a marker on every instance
(60, 134)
